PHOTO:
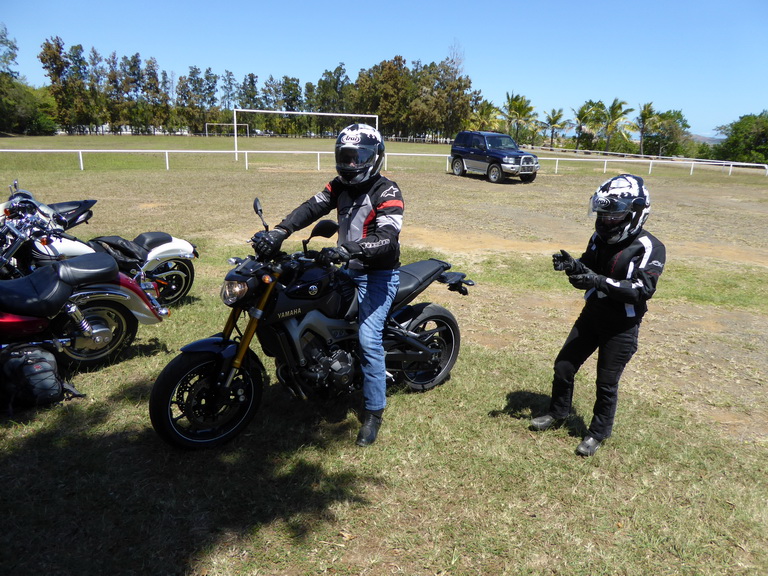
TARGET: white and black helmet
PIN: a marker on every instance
(359, 153)
(621, 206)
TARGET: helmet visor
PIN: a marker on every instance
(356, 157)
(614, 205)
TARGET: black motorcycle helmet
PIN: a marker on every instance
(359, 154)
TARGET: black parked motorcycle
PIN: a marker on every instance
(304, 316)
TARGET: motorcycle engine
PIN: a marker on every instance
(329, 369)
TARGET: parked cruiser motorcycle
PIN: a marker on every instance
(111, 303)
(82, 308)
(304, 316)
(154, 257)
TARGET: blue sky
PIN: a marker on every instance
(707, 58)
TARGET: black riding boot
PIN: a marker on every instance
(370, 428)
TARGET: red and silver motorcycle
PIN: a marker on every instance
(84, 308)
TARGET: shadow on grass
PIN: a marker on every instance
(523, 405)
(507, 180)
(120, 501)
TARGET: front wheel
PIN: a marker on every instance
(437, 329)
(174, 280)
(528, 178)
(190, 409)
(495, 173)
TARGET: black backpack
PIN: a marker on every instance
(30, 377)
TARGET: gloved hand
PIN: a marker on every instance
(566, 263)
(587, 280)
(267, 244)
(338, 255)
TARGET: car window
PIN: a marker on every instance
(505, 142)
(478, 142)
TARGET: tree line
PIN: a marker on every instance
(89, 93)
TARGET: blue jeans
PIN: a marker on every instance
(376, 291)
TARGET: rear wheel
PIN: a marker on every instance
(174, 280)
(189, 408)
(495, 173)
(113, 328)
(437, 329)
(457, 166)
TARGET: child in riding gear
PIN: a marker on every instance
(619, 272)
(369, 209)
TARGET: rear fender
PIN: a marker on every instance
(126, 292)
(176, 248)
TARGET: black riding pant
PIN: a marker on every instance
(616, 343)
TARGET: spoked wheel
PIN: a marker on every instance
(113, 328)
(438, 330)
(458, 167)
(189, 408)
(174, 280)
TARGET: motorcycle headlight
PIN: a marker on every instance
(232, 291)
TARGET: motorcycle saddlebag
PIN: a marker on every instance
(30, 376)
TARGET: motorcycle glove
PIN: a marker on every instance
(587, 280)
(338, 255)
(267, 244)
(567, 263)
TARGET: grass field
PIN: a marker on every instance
(456, 484)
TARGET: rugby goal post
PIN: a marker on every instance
(248, 110)
(247, 128)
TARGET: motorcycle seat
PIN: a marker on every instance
(87, 269)
(414, 278)
(41, 294)
(150, 240)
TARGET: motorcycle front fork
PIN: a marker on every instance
(254, 314)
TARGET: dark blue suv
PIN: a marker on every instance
(493, 154)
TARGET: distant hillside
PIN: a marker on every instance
(706, 139)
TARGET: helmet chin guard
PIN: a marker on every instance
(359, 154)
(621, 206)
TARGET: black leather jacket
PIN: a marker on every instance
(632, 269)
(370, 218)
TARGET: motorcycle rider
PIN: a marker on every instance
(619, 271)
(369, 209)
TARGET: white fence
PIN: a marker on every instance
(683, 162)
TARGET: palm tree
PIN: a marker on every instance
(554, 121)
(585, 118)
(646, 121)
(485, 117)
(615, 120)
(517, 110)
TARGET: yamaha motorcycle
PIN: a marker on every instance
(155, 257)
(83, 307)
(303, 314)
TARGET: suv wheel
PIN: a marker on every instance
(528, 177)
(495, 173)
(458, 167)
